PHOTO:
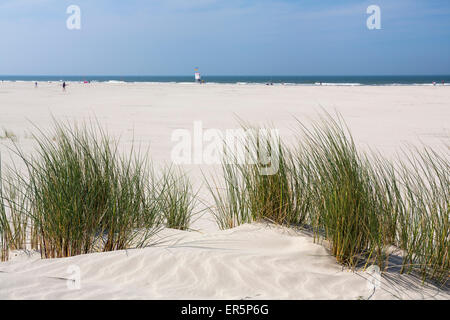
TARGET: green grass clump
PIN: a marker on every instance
(177, 199)
(252, 192)
(324, 183)
(424, 231)
(81, 195)
(362, 204)
(231, 207)
(269, 194)
(345, 205)
(84, 195)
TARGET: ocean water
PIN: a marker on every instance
(288, 80)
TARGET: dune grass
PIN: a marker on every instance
(361, 203)
(425, 221)
(231, 207)
(344, 201)
(251, 191)
(267, 188)
(178, 199)
(364, 203)
(82, 195)
(15, 223)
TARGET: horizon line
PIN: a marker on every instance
(224, 75)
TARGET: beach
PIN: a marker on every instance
(252, 261)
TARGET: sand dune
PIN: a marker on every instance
(249, 262)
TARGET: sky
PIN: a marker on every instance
(224, 37)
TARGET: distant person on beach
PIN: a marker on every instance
(35, 84)
(64, 86)
(443, 82)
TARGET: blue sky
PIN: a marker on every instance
(224, 37)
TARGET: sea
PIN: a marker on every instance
(286, 80)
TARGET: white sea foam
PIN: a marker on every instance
(115, 81)
(337, 84)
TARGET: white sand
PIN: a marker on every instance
(252, 261)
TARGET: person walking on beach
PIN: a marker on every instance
(35, 84)
(64, 86)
